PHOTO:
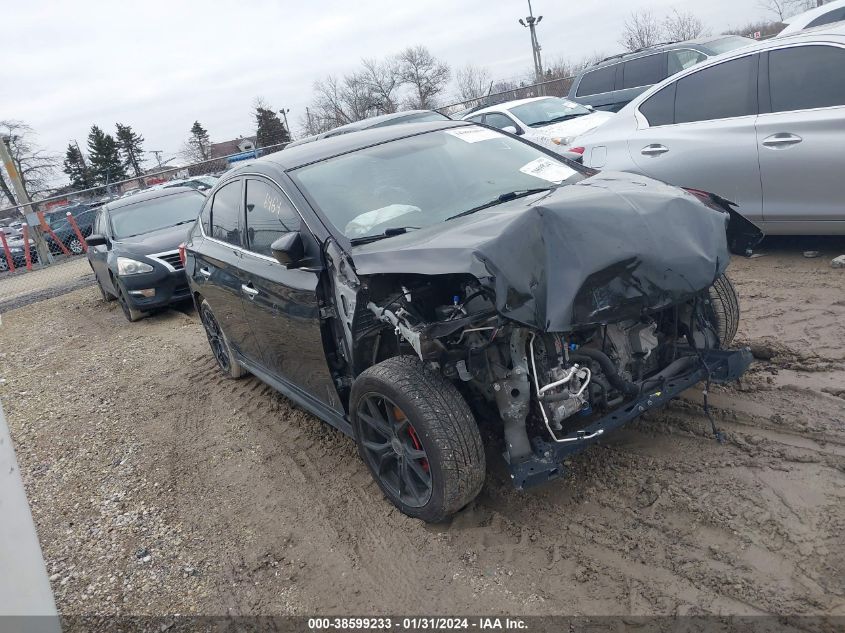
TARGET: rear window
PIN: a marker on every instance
(597, 81)
(803, 77)
(725, 44)
(159, 213)
(719, 92)
(830, 17)
(644, 71)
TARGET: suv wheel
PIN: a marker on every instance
(75, 246)
(418, 437)
(219, 344)
(723, 309)
(129, 312)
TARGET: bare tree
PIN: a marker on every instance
(640, 30)
(473, 82)
(786, 8)
(37, 167)
(426, 75)
(682, 25)
(383, 81)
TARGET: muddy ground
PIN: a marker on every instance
(160, 487)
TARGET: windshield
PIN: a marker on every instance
(726, 44)
(425, 179)
(152, 215)
(547, 111)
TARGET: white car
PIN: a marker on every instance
(549, 121)
(826, 14)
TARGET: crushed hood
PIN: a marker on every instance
(604, 249)
(569, 129)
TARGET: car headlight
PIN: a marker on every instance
(127, 266)
(561, 140)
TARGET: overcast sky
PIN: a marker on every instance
(159, 66)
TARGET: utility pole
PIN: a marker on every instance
(158, 153)
(284, 112)
(531, 22)
(81, 155)
(44, 255)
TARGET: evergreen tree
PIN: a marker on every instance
(106, 163)
(76, 169)
(198, 145)
(129, 144)
(269, 127)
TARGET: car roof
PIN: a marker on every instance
(307, 153)
(801, 20)
(363, 124)
(511, 104)
(149, 195)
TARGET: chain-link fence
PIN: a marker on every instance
(43, 244)
(558, 87)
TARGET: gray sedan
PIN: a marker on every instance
(763, 126)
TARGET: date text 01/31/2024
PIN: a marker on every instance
(416, 623)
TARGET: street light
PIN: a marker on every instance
(284, 113)
(531, 22)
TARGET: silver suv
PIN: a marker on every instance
(763, 126)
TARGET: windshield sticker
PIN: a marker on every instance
(474, 134)
(547, 169)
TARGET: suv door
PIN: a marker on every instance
(801, 135)
(699, 132)
(281, 303)
(218, 261)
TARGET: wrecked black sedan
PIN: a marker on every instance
(417, 284)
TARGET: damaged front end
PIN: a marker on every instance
(553, 393)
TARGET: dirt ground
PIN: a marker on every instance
(160, 487)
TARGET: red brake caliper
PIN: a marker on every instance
(414, 439)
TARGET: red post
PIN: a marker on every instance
(72, 221)
(9, 259)
(26, 255)
(46, 227)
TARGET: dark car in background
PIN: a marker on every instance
(615, 80)
(84, 217)
(134, 249)
(411, 284)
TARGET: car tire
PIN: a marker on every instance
(75, 246)
(132, 315)
(418, 437)
(220, 347)
(723, 309)
(4, 265)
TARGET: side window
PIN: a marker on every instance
(804, 77)
(225, 209)
(500, 121)
(659, 109)
(682, 59)
(205, 217)
(476, 119)
(597, 81)
(830, 17)
(269, 214)
(718, 92)
(644, 71)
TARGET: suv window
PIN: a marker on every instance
(659, 109)
(802, 77)
(682, 59)
(224, 213)
(597, 81)
(497, 120)
(718, 92)
(643, 71)
(828, 18)
(269, 214)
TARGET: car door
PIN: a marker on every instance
(698, 131)
(281, 303)
(801, 136)
(217, 271)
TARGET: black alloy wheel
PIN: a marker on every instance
(394, 451)
(215, 339)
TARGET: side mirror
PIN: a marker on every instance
(97, 240)
(510, 129)
(288, 249)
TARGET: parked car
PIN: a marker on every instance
(18, 253)
(763, 127)
(134, 249)
(549, 121)
(614, 81)
(413, 283)
(63, 230)
(825, 15)
(382, 120)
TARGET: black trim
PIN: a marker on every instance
(764, 97)
(545, 462)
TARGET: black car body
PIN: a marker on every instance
(134, 249)
(410, 325)
(614, 81)
(382, 120)
(83, 215)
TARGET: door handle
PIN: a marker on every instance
(654, 150)
(205, 272)
(249, 291)
(781, 139)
